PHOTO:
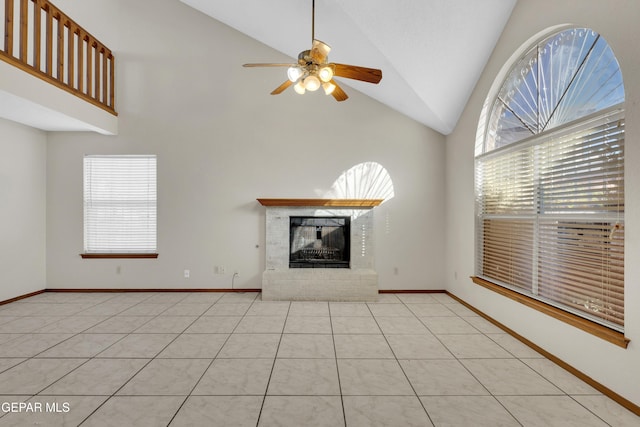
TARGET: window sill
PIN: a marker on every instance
(112, 255)
(588, 326)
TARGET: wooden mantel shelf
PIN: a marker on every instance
(334, 203)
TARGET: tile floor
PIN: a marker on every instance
(230, 359)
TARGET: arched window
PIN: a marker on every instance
(550, 178)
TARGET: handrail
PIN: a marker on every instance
(42, 40)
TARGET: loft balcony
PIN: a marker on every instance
(54, 75)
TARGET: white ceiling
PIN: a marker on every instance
(431, 52)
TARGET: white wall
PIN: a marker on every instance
(22, 209)
(222, 141)
(608, 364)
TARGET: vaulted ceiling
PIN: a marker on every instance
(431, 52)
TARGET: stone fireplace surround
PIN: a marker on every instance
(359, 282)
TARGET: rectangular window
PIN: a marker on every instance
(120, 205)
(550, 218)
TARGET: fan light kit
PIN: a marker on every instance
(314, 71)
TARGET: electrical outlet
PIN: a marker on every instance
(187, 273)
(221, 269)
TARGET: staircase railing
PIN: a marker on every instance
(43, 41)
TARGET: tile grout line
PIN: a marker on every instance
(452, 354)
(335, 354)
(465, 367)
(275, 358)
(398, 361)
(210, 363)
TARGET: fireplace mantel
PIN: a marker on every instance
(337, 203)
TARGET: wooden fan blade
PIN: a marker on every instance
(268, 65)
(319, 51)
(338, 93)
(282, 87)
(370, 75)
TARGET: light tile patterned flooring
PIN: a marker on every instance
(230, 359)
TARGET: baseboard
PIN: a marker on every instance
(92, 290)
(412, 291)
(567, 367)
(30, 294)
(89, 290)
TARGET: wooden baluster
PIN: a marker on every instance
(71, 54)
(89, 72)
(8, 27)
(104, 76)
(97, 73)
(60, 62)
(37, 8)
(112, 82)
(24, 25)
(80, 60)
(49, 41)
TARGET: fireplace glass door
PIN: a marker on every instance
(319, 242)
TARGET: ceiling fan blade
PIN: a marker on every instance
(268, 65)
(370, 75)
(338, 93)
(319, 51)
(282, 87)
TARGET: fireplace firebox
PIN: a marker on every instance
(319, 242)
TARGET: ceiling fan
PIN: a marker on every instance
(313, 70)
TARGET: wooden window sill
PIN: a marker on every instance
(588, 326)
(113, 255)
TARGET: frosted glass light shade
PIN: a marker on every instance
(294, 73)
(325, 74)
(328, 88)
(311, 83)
(299, 88)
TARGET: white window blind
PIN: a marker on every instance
(550, 217)
(120, 204)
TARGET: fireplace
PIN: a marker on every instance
(319, 242)
(305, 236)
